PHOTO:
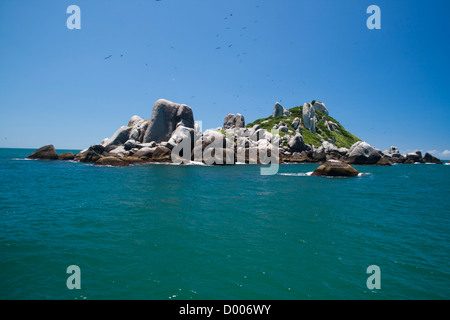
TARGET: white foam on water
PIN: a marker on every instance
(364, 174)
(447, 164)
(23, 159)
(301, 174)
(196, 163)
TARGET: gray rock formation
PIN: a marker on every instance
(90, 155)
(414, 157)
(320, 106)
(394, 150)
(120, 151)
(297, 143)
(296, 123)
(130, 144)
(180, 134)
(165, 118)
(104, 142)
(309, 117)
(120, 137)
(134, 120)
(234, 121)
(145, 152)
(363, 153)
(329, 147)
(138, 131)
(278, 111)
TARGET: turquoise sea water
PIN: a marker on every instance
(197, 232)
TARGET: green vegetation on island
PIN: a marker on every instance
(339, 135)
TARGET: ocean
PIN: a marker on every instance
(163, 232)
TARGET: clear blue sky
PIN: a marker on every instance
(388, 86)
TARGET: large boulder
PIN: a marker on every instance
(296, 123)
(279, 111)
(47, 152)
(394, 150)
(165, 118)
(90, 155)
(145, 152)
(309, 117)
(320, 106)
(363, 153)
(297, 143)
(181, 133)
(213, 138)
(232, 121)
(119, 151)
(334, 168)
(134, 120)
(428, 158)
(162, 154)
(130, 144)
(138, 131)
(384, 161)
(414, 157)
(120, 137)
(329, 147)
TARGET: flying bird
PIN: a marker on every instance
(108, 57)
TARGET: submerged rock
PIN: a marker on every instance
(47, 152)
(334, 168)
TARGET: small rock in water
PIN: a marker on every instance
(335, 168)
(45, 153)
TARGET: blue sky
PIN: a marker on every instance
(388, 86)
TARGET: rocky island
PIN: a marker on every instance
(304, 133)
